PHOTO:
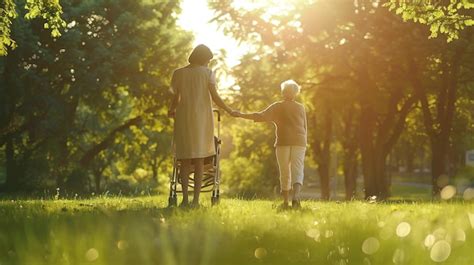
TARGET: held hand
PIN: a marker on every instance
(235, 113)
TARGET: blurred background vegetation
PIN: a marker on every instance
(388, 87)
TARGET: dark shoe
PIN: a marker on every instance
(283, 207)
(184, 205)
(295, 204)
(194, 206)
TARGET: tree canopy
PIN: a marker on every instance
(50, 11)
(387, 85)
(349, 56)
(89, 104)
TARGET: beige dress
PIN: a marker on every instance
(194, 123)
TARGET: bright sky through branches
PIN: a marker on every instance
(195, 17)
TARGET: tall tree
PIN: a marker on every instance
(78, 95)
(350, 46)
(438, 91)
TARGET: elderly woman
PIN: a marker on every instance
(194, 86)
(289, 117)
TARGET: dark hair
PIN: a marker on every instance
(200, 55)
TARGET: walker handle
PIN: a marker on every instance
(218, 122)
(218, 114)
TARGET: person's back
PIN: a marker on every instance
(194, 88)
(290, 119)
(193, 80)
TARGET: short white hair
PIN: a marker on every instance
(290, 88)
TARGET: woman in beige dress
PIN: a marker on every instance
(194, 88)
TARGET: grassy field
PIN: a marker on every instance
(143, 231)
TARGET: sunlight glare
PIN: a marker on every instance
(209, 33)
(429, 241)
(122, 244)
(440, 251)
(403, 229)
(370, 245)
(328, 233)
(272, 7)
(398, 256)
(471, 219)
(313, 233)
(448, 192)
(460, 235)
(260, 253)
(468, 194)
(440, 233)
(92, 254)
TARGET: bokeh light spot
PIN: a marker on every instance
(92, 254)
(313, 233)
(122, 244)
(460, 235)
(440, 233)
(448, 192)
(328, 233)
(260, 253)
(440, 251)
(430, 240)
(471, 219)
(468, 194)
(403, 229)
(398, 256)
(370, 245)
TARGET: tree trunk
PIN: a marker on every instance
(410, 159)
(97, 180)
(69, 117)
(11, 167)
(375, 176)
(350, 147)
(367, 124)
(325, 159)
(350, 173)
(59, 171)
(438, 165)
(439, 126)
(380, 175)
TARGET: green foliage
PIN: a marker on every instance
(446, 19)
(141, 231)
(251, 169)
(350, 57)
(89, 107)
(49, 10)
(7, 13)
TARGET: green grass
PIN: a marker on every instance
(143, 231)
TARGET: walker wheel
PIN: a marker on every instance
(214, 201)
(172, 201)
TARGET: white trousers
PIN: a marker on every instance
(291, 165)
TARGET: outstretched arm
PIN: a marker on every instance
(251, 116)
(265, 115)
